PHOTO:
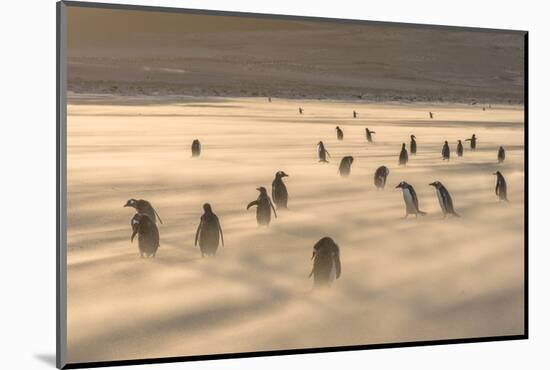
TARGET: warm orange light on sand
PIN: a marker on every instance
(402, 280)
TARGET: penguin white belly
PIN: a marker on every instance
(441, 201)
(409, 202)
(332, 275)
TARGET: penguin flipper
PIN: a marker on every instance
(221, 231)
(198, 231)
(338, 266)
(253, 203)
(272, 207)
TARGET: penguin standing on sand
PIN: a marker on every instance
(473, 142)
(196, 148)
(459, 149)
(445, 200)
(143, 207)
(326, 262)
(354, 114)
(300, 110)
(339, 133)
(403, 156)
(446, 151)
(148, 234)
(263, 207)
(278, 190)
(501, 189)
(345, 166)
(380, 177)
(501, 155)
(411, 200)
(431, 115)
(413, 145)
(369, 134)
(322, 152)
(209, 232)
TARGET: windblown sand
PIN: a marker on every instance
(402, 279)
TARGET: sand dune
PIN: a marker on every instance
(402, 280)
(155, 53)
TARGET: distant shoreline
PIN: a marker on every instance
(103, 97)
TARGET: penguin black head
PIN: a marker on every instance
(320, 143)
(348, 159)
(262, 190)
(497, 173)
(207, 208)
(446, 142)
(436, 184)
(401, 185)
(323, 245)
(403, 146)
(474, 135)
(413, 137)
(460, 141)
(131, 203)
(338, 127)
(281, 174)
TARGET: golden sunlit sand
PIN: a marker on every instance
(402, 279)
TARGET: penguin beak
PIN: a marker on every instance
(285, 175)
(126, 205)
(398, 186)
(258, 189)
(133, 235)
(432, 184)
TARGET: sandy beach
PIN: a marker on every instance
(402, 279)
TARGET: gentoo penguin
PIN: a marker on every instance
(501, 154)
(411, 200)
(300, 110)
(339, 133)
(345, 166)
(148, 234)
(380, 177)
(264, 207)
(501, 188)
(322, 152)
(445, 200)
(354, 114)
(403, 156)
(326, 262)
(473, 142)
(413, 145)
(431, 115)
(369, 134)
(459, 149)
(196, 148)
(208, 232)
(269, 99)
(143, 207)
(278, 190)
(446, 152)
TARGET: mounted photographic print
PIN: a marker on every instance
(234, 184)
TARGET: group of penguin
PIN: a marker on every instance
(326, 253)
